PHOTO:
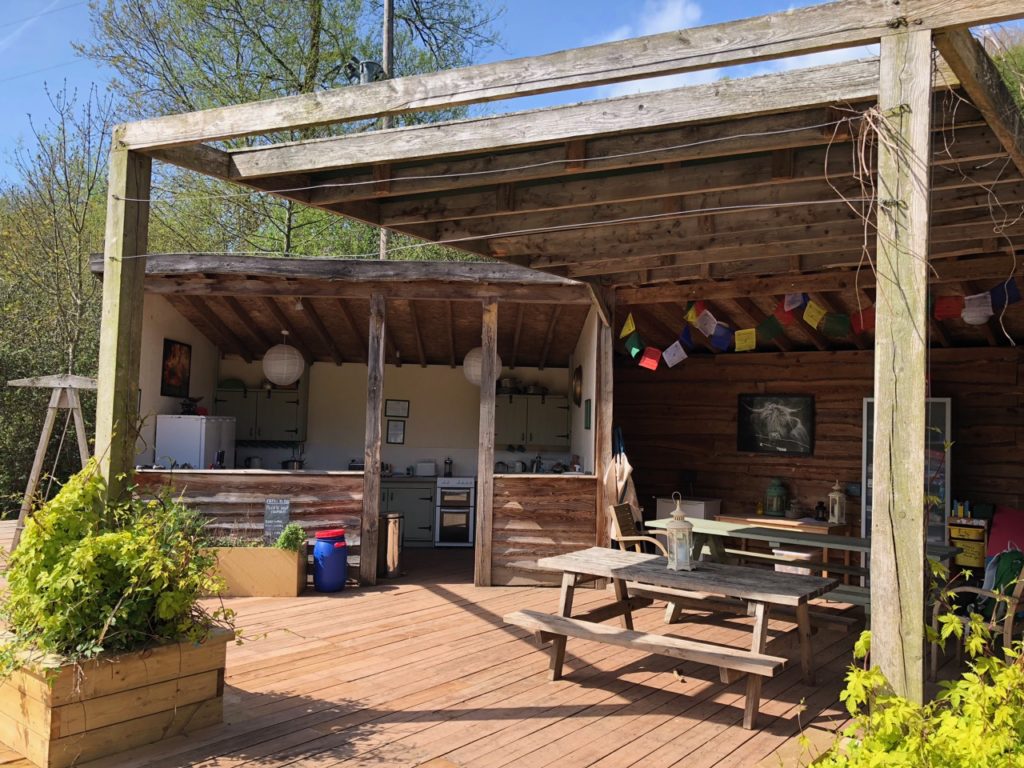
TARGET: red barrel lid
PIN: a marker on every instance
(336, 533)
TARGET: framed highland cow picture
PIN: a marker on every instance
(776, 424)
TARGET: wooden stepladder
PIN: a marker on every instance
(64, 396)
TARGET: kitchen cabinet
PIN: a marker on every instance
(415, 502)
(534, 421)
(278, 415)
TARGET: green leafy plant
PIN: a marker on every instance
(90, 576)
(293, 537)
(976, 720)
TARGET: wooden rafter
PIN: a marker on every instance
(350, 322)
(450, 322)
(812, 334)
(980, 77)
(807, 30)
(417, 335)
(515, 338)
(549, 336)
(326, 338)
(233, 341)
(245, 320)
(297, 339)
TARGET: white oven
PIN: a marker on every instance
(455, 515)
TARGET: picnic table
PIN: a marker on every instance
(711, 534)
(633, 572)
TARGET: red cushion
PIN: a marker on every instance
(1007, 528)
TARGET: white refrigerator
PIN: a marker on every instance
(194, 441)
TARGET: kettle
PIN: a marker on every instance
(253, 462)
(536, 464)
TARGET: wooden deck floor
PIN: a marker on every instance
(422, 671)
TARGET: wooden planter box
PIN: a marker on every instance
(59, 714)
(261, 571)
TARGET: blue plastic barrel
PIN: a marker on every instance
(330, 561)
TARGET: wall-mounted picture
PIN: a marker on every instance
(778, 424)
(175, 369)
(396, 409)
(396, 432)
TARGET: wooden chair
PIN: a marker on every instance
(628, 535)
(1003, 613)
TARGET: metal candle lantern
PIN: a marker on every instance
(775, 499)
(680, 538)
(837, 506)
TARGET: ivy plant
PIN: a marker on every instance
(89, 576)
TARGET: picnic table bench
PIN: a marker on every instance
(633, 572)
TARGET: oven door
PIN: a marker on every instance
(453, 527)
(454, 498)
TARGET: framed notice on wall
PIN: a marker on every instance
(396, 432)
(396, 409)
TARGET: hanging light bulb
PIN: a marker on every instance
(473, 364)
(283, 364)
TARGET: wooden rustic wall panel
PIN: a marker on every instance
(234, 500)
(538, 516)
(683, 420)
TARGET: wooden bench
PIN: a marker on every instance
(555, 629)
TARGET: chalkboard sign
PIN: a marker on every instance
(275, 518)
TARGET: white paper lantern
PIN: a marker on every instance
(282, 364)
(473, 364)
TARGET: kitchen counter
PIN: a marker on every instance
(253, 472)
(546, 475)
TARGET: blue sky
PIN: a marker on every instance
(36, 37)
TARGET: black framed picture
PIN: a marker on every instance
(396, 432)
(777, 424)
(175, 369)
(397, 409)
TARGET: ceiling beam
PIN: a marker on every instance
(298, 341)
(549, 336)
(805, 30)
(211, 318)
(980, 78)
(515, 338)
(350, 322)
(246, 321)
(321, 330)
(752, 311)
(416, 333)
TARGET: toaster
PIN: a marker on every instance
(426, 469)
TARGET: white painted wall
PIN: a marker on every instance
(585, 355)
(444, 413)
(162, 321)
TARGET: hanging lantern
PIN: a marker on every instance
(837, 506)
(282, 364)
(680, 538)
(473, 364)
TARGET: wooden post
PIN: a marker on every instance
(898, 519)
(607, 492)
(485, 447)
(371, 468)
(124, 268)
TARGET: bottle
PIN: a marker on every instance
(448, 466)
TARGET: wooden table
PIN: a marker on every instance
(632, 571)
(711, 533)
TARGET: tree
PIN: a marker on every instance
(185, 55)
(50, 223)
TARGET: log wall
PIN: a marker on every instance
(539, 516)
(684, 420)
(234, 499)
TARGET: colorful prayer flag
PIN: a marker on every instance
(628, 327)
(863, 320)
(634, 346)
(686, 338)
(706, 323)
(836, 325)
(649, 359)
(746, 340)
(674, 354)
(977, 308)
(783, 315)
(814, 313)
(769, 329)
(721, 337)
(794, 301)
(948, 307)
(1005, 293)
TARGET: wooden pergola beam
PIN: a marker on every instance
(980, 78)
(485, 448)
(793, 90)
(807, 30)
(368, 530)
